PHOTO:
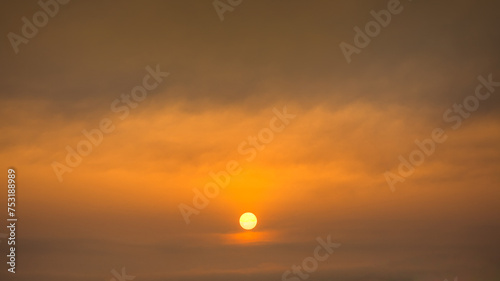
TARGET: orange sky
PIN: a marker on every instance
(323, 174)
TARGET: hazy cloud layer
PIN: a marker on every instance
(323, 175)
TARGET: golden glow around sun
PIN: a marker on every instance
(248, 221)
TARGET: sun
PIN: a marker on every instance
(248, 221)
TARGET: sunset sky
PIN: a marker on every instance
(322, 174)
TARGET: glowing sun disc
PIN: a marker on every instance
(248, 221)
